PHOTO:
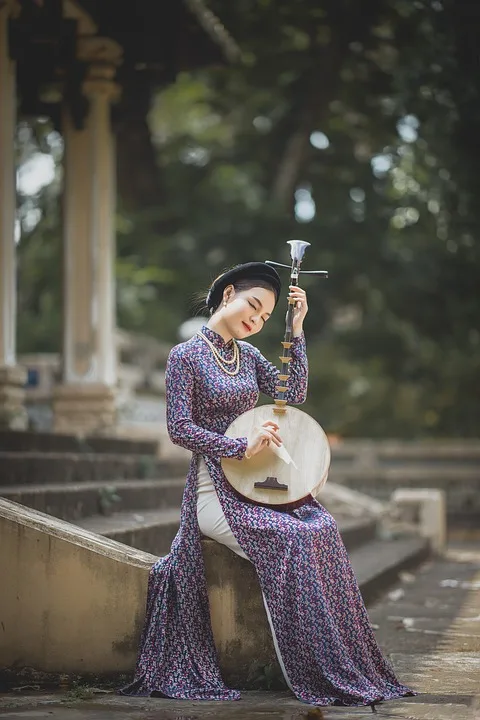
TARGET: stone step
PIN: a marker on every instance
(27, 441)
(149, 530)
(356, 531)
(401, 453)
(76, 500)
(153, 530)
(19, 468)
(378, 563)
(461, 486)
(409, 474)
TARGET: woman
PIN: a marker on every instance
(321, 631)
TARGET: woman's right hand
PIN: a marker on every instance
(262, 436)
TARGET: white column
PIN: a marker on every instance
(12, 378)
(85, 401)
(89, 249)
(7, 195)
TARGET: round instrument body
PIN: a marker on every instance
(306, 444)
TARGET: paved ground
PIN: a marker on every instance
(428, 624)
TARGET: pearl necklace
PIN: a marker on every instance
(221, 362)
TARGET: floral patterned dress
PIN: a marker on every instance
(321, 624)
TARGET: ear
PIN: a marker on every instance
(229, 293)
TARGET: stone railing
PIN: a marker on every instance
(140, 394)
(90, 624)
(379, 467)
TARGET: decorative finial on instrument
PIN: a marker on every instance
(297, 249)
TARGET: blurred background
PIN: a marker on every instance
(144, 148)
(242, 125)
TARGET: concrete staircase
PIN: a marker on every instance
(81, 523)
(116, 488)
(119, 489)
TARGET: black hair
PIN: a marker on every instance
(240, 286)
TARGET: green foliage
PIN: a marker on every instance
(79, 691)
(390, 90)
(39, 301)
(39, 305)
(108, 498)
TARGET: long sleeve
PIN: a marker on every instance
(267, 373)
(179, 380)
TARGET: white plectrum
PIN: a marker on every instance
(283, 454)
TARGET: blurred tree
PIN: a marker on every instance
(352, 126)
(39, 307)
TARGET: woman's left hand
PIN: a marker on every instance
(300, 308)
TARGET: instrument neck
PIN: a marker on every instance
(280, 398)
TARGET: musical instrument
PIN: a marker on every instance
(282, 477)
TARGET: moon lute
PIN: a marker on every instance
(288, 476)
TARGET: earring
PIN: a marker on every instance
(224, 303)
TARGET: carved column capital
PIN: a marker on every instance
(101, 50)
(103, 56)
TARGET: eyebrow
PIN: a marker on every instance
(258, 301)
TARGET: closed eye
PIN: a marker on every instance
(253, 306)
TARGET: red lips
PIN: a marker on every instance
(248, 328)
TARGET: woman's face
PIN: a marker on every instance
(247, 311)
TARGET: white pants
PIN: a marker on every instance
(213, 524)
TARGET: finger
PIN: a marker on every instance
(274, 436)
(271, 431)
(270, 422)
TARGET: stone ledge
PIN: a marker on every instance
(92, 623)
(74, 601)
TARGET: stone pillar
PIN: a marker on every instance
(85, 402)
(12, 377)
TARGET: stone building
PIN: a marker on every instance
(78, 62)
